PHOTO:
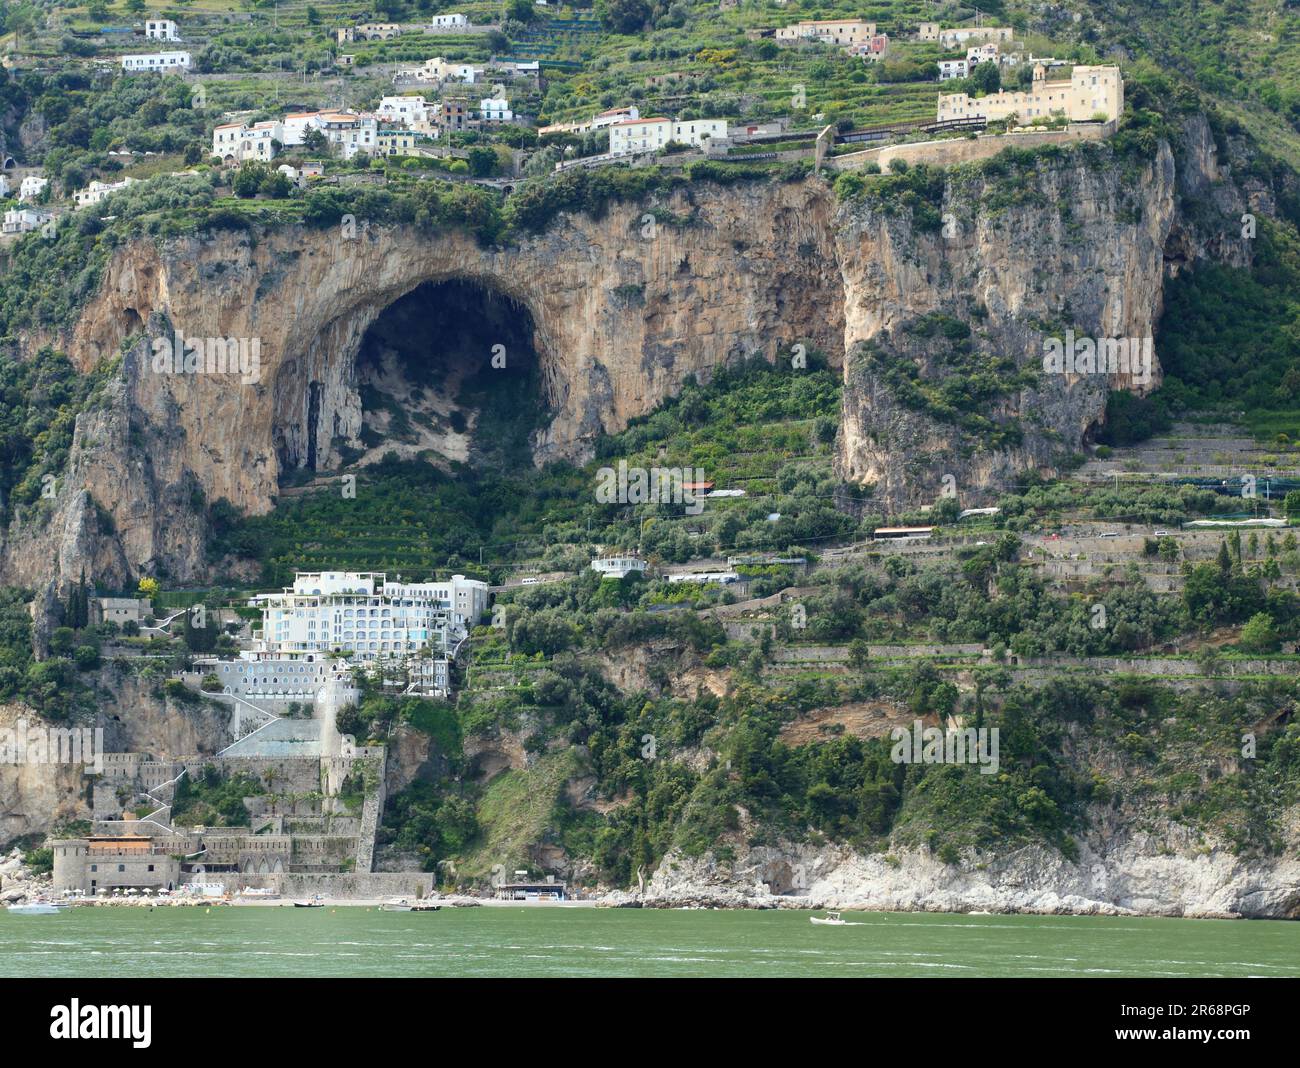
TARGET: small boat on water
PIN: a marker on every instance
(396, 904)
(831, 919)
(426, 906)
(316, 902)
(39, 908)
(979, 912)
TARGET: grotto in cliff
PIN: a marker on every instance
(447, 372)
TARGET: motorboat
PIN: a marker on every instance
(316, 902)
(396, 904)
(831, 919)
(40, 908)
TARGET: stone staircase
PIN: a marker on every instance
(366, 838)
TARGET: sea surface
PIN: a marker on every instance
(532, 941)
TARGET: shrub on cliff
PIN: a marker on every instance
(539, 202)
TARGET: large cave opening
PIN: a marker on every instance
(448, 373)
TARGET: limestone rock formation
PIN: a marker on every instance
(1078, 244)
(622, 313)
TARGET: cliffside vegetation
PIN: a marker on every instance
(599, 724)
(1230, 338)
(712, 743)
(766, 430)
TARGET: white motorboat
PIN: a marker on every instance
(39, 908)
(396, 904)
(831, 919)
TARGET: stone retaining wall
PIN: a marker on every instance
(344, 885)
(968, 149)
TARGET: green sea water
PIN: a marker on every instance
(530, 941)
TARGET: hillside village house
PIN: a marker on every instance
(437, 70)
(351, 131)
(364, 615)
(120, 610)
(393, 141)
(842, 32)
(301, 173)
(453, 113)
(449, 22)
(172, 62)
(368, 31)
(953, 38)
(21, 220)
(391, 131)
(953, 68)
(161, 30)
(410, 111)
(31, 187)
(616, 567)
(872, 49)
(296, 124)
(97, 191)
(983, 53)
(235, 142)
(495, 109)
(1090, 92)
(597, 122)
(650, 135)
(928, 31)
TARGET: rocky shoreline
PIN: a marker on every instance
(1127, 877)
(18, 883)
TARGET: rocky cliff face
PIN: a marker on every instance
(947, 316)
(623, 308)
(135, 716)
(36, 796)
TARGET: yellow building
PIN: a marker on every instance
(1090, 92)
(394, 142)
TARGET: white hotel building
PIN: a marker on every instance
(650, 135)
(364, 616)
(168, 62)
